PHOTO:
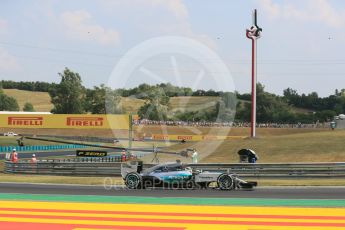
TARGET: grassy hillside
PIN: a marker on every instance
(40, 100)
(327, 146)
(131, 105)
(192, 103)
(176, 103)
(302, 147)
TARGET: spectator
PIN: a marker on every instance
(131, 156)
(14, 156)
(123, 156)
(33, 159)
(231, 124)
(195, 157)
(252, 158)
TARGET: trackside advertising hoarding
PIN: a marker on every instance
(91, 153)
(64, 121)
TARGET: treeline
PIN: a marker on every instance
(312, 101)
(139, 92)
(70, 96)
(289, 107)
(170, 90)
(157, 108)
(28, 85)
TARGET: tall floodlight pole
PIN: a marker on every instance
(253, 33)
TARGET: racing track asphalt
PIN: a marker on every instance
(259, 192)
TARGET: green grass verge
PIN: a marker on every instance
(18, 178)
(177, 200)
(12, 141)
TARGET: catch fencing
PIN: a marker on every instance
(111, 167)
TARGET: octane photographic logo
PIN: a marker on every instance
(181, 62)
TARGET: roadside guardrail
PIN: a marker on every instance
(279, 170)
(111, 167)
(91, 166)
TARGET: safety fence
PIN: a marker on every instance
(40, 147)
(111, 167)
(107, 166)
(279, 170)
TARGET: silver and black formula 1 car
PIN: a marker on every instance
(177, 175)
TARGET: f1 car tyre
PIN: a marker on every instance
(133, 180)
(225, 182)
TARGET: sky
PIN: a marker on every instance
(302, 44)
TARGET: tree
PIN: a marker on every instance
(156, 107)
(8, 103)
(113, 102)
(291, 96)
(243, 111)
(102, 100)
(325, 115)
(154, 112)
(229, 99)
(270, 108)
(223, 113)
(28, 107)
(68, 96)
(187, 91)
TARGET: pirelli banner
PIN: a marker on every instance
(64, 121)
